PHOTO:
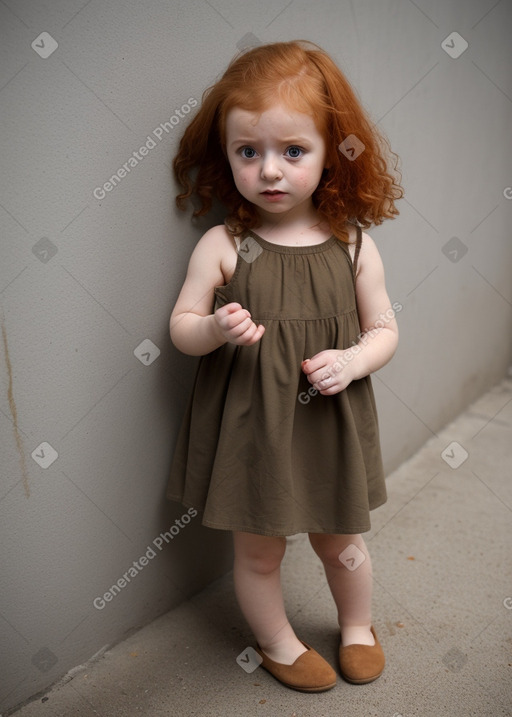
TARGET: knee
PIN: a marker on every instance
(259, 553)
(330, 547)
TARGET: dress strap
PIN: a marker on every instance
(359, 241)
(237, 239)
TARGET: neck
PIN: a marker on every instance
(305, 224)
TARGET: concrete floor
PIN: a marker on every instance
(441, 551)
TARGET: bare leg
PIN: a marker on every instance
(351, 588)
(257, 577)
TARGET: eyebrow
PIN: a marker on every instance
(294, 139)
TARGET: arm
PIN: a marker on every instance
(331, 371)
(194, 329)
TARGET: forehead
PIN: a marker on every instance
(277, 120)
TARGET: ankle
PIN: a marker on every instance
(284, 651)
(357, 635)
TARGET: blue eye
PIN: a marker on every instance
(248, 152)
(294, 152)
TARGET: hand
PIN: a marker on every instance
(236, 326)
(329, 371)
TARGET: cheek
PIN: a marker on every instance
(244, 177)
(308, 177)
(243, 181)
(303, 179)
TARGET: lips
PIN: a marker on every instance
(273, 194)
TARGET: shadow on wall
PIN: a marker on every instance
(194, 555)
(201, 556)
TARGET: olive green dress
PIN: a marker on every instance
(259, 450)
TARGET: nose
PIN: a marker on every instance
(270, 169)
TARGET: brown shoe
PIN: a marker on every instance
(309, 673)
(360, 664)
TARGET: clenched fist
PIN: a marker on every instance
(236, 326)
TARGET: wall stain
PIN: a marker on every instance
(14, 413)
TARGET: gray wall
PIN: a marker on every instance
(86, 280)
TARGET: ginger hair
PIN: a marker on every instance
(304, 78)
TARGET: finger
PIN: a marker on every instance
(324, 381)
(331, 391)
(309, 366)
(260, 330)
(259, 333)
(253, 334)
(319, 375)
(228, 309)
(237, 327)
(232, 307)
(317, 363)
(233, 319)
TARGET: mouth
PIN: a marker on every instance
(273, 194)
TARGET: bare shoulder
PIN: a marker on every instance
(369, 256)
(215, 240)
(368, 246)
(215, 251)
(369, 264)
(366, 240)
(352, 238)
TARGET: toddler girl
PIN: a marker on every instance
(286, 305)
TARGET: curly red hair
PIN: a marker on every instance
(303, 77)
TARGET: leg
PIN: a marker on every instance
(257, 577)
(351, 589)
